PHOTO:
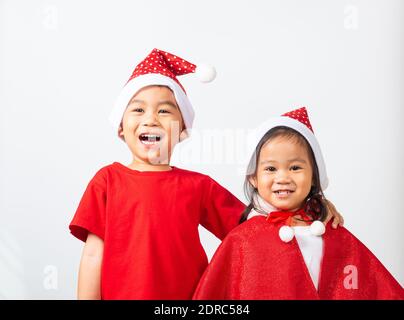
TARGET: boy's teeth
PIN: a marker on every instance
(149, 138)
(148, 142)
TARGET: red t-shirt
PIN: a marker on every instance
(149, 224)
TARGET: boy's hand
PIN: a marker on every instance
(332, 213)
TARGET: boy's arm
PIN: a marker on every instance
(333, 214)
(89, 287)
(222, 210)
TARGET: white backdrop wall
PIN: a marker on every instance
(62, 63)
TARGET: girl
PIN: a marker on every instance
(283, 250)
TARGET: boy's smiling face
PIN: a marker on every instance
(284, 173)
(151, 125)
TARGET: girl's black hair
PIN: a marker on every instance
(315, 205)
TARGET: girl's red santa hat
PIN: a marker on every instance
(298, 120)
(161, 68)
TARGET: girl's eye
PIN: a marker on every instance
(294, 168)
(164, 111)
(271, 169)
(137, 110)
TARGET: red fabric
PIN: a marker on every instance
(301, 116)
(253, 263)
(149, 223)
(286, 216)
(164, 63)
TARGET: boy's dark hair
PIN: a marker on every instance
(315, 201)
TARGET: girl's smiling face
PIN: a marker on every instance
(151, 125)
(284, 173)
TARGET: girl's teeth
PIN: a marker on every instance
(283, 192)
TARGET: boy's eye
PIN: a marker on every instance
(294, 168)
(271, 169)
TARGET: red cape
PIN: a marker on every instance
(253, 263)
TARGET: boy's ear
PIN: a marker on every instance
(184, 134)
(120, 132)
(253, 181)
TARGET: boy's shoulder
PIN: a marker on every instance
(116, 167)
(194, 177)
(190, 173)
(100, 176)
(104, 170)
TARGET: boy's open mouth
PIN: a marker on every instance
(148, 138)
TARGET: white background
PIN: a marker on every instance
(62, 64)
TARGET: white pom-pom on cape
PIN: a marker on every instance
(317, 228)
(286, 233)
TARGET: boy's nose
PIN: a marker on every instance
(150, 120)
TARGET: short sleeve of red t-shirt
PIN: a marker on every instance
(90, 214)
(221, 210)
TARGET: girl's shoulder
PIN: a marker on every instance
(342, 240)
(251, 230)
(338, 233)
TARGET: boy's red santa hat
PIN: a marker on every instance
(161, 68)
(299, 121)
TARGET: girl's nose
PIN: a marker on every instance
(282, 177)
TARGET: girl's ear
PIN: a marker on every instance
(253, 181)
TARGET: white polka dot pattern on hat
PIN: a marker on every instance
(301, 116)
(163, 63)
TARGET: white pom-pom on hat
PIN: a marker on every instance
(317, 228)
(205, 72)
(286, 233)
